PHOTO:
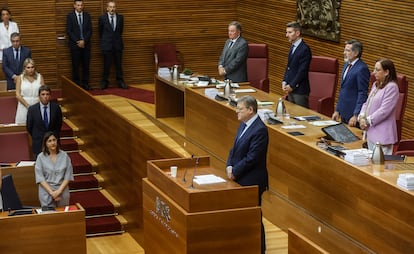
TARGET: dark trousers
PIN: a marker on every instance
(80, 57)
(299, 99)
(108, 56)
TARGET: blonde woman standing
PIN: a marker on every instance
(27, 89)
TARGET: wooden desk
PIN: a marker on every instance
(56, 232)
(338, 206)
(213, 218)
(169, 97)
(25, 184)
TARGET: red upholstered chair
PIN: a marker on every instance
(402, 101)
(8, 106)
(167, 55)
(405, 147)
(14, 147)
(323, 80)
(258, 66)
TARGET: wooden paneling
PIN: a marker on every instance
(36, 21)
(199, 29)
(44, 233)
(117, 137)
(384, 27)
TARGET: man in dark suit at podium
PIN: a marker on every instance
(111, 27)
(13, 58)
(42, 117)
(246, 163)
(79, 29)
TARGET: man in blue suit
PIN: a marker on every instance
(13, 58)
(111, 27)
(246, 163)
(36, 123)
(354, 84)
(79, 29)
(296, 74)
(233, 59)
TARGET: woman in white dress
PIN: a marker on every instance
(27, 89)
(7, 27)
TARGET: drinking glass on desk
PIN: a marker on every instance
(286, 119)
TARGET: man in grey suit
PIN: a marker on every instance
(233, 60)
(13, 58)
(111, 27)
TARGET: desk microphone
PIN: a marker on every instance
(185, 172)
(195, 168)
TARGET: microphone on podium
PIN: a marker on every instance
(195, 168)
(185, 172)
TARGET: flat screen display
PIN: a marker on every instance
(340, 133)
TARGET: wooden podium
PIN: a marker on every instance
(208, 218)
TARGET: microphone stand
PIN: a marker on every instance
(185, 172)
(195, 168)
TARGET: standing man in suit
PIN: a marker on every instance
(233, 60)
(296, 74)
(79, 30)
(246, 163)
(13, 58)
(42, 117)
(111, 26)
(354, 84)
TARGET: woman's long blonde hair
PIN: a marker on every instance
(25, 63)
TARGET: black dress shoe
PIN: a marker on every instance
(104, 84)
(122, 85)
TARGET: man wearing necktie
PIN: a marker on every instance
(296, 74)
(233, 59)
(42, 117)
(111, 26)
(79, 30)
(354, 85)
(13, 58)
(246, 163)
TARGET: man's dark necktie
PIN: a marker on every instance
(291, 49)
(45, 117)
(347, 70)
(241, 131)
(112, 22)
(231, 44)
(80, 26)
(16, 59)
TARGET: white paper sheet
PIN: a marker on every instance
(324, 123)
(208, 179)
(247, 90)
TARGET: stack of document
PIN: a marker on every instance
(359, 157)
(164, 72)
(265, 113)
(208, 179)
(406, 181)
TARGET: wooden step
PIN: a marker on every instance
(93, 163)
(74, 128)
(111, 199)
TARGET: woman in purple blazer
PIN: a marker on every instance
(377, 116)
